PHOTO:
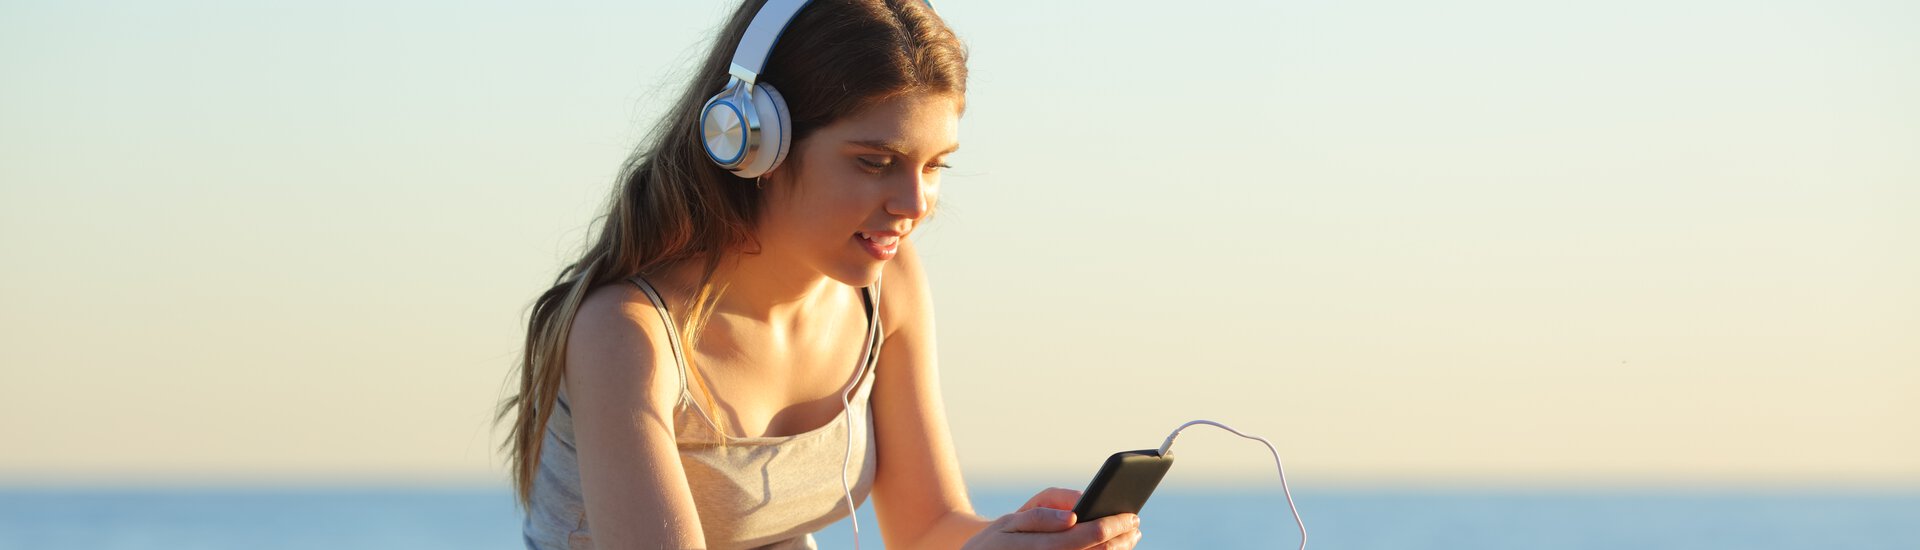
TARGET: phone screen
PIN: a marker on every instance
(1123, 484)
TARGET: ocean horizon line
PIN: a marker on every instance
(1001, 485)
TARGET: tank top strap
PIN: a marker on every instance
(874, 331)
(873, 308)
(673, 332)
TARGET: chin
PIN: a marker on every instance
(858, 275)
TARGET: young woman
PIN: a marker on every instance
(722, 369)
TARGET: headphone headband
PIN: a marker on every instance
(751, 57)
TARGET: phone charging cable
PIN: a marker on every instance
(1168, 445)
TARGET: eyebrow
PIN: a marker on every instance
(895, 147)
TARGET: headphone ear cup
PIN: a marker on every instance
(776, 131)
(723, 129)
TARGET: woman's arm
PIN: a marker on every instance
(622, 383)
(918, 494)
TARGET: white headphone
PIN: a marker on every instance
(746, 128)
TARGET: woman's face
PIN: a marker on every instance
(863, 183)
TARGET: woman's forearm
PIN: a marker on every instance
(952, 531)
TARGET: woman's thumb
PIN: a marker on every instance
(1040, 520)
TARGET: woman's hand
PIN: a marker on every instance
(1045, 523)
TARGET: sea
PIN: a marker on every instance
(372, 518)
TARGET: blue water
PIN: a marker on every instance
(1336, 519)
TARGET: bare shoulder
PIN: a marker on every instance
(623, 380)
(618, 353)
(906, 301)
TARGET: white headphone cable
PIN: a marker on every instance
(846, 459)
(1168, 445)
(1164, 449)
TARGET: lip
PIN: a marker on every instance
(882, 253)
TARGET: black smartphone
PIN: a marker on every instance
(1123, 484)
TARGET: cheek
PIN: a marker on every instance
(822, 208)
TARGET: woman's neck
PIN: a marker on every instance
(767, 288)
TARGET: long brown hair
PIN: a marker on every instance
(671, 204)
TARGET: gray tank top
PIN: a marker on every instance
(762, 493)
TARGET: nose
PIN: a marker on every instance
(913, 197)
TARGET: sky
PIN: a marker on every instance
(1473, 242)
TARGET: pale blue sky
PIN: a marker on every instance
(1482, 241)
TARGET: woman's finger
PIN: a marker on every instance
(1103, 531)
(1039, 520)
(1053, 497)
(1125, 541)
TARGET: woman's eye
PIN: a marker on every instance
(873, 164)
